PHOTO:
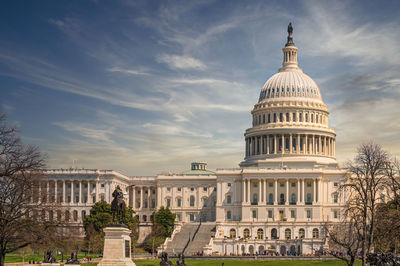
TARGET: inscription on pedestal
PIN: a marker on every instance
(127, 249)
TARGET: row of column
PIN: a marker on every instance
(141, 190)
(44, 195)
(262, 191)
(297, 143)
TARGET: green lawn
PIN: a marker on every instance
(11, 258)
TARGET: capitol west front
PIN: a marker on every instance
(278, 200)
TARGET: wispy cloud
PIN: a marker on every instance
(128, 71)
(181, 62)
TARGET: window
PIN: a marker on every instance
(274, 117)
(179, 189)
(102, 184)
(280, 117)
(287, 117)
(294, 117)
(308, 184)
(229, 184)
(192, 201)
(270, 198)
(255, 198)
(300, 117)
(269, 118)
(282, 184)
(274, 233)
(228, 199)
(168, 202)
(270, 214)
(293, 198)
(301, 233)
(168, 189)
(83, 214)
(255, 184)
(292, 214)
(228, 215)
(335, 184)
(191, 217)
(179, 217)
(232, 233)
(270, 184)
(308, 213)
(288, 233)
(75, 215)
(293, 184)
(282, 199)
(335, 214)
(246, 233)
(254, 214)
(315, 233)
(263, 118)
(192, 189)
(308, 200)
(260, 234)
(179, 202)
(204, 202)
(205, 189)
(335, 198)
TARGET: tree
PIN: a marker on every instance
(100, 216)
(165, 219)
(344, 238)
(367, 175)
(20, 174)
(387, 229)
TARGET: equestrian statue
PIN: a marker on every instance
(118, 206)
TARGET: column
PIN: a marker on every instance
(262, 145)
(247, 147)
(287, 192)
(283, 143)
(259, 191)
(315, 191)
(306, 145)
(290, 143)
(63, 192)
(334, 148)
(265, 191)
(149, 197)
(303, 193)
(80, 192)
(320, 190)
(219, 194)
(88, 193)
(298, 191)
(133, 191)
(72, 192)
(97, 190)
(313, 144)
(141, 197)
(267, 144)
(319, 145)
(276, 192)
(298, 144)
(248, 190)
(254, 146)
(243, 191)
(275, 148)
(55, 191)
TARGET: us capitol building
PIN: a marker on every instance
(279, 198)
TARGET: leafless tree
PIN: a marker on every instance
(20, 176)
(393, 182)
(367, 174)
(344, 239)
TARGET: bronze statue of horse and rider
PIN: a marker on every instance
(118, 206)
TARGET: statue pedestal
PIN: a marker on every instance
(117, 247)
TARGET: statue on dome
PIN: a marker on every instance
(290, 35)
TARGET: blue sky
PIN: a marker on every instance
(144, 87)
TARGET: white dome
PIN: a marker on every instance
(290, 83)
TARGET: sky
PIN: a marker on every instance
(145, 87)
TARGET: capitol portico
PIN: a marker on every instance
(277, 200)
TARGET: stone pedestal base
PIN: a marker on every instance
(117, 247)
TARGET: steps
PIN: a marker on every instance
(201, 239)
(180, 239)
(197, 244)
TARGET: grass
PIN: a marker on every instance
(14, 257)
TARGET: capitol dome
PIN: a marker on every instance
(290, 120)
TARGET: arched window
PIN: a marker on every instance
(312, 118)
(300, 117)
(260, 234)
(67, 216)
(306, 120)
(315, 233)
(246, 233)
(308, 198)
(75, 215)
(269, 118)
(144, 218)
(228, 215)
(263, 118)
(228, 199)
(288, 233)
(192, 201)
(274, 233)
(255, 198)
(280, 117)
(271, 198)
(274, 117)
(293, 198)
(59, 215)
(232, 233)
(204, 202)
(83, 214)
(179, 202)
(301, 233)
(287, 117)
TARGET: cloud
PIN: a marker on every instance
(181, 62)
(127, 71)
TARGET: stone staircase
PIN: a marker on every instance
(180, 240)
(201, 239)
(197, 243)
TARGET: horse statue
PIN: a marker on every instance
(118, 206)
(73, 259)
(49, 258)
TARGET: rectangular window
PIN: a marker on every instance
(335, 214)
(191, 217)
(179, 189)
(168, 189)
(102, 184)
(179, 202)
(229, 184)
(254, 214)
(255, 184)
(282, 184)
(308, 184)
(179, 217)
(335, 198)
(270, 184)
(308, 213)
(205, 189)
(292, 214)
(168, 202)
(192, 189)
(294, 117)
(335, 184)
(228, 215)
(293, 184)
(270, 214)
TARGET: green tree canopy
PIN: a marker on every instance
(164, 219)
